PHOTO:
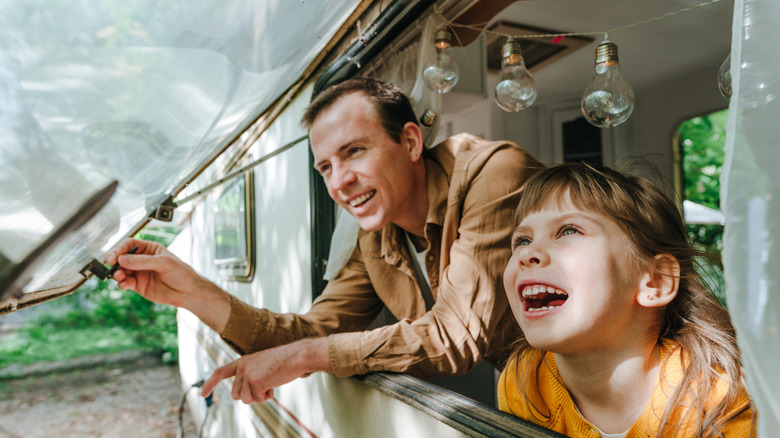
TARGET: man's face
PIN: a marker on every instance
(366, 172)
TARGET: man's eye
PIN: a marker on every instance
(324, 169)
(354, 150)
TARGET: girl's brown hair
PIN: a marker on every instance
(694, 319)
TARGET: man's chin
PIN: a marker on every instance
(370, 224)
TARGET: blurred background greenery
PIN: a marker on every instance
(703, 143)
(98, 318)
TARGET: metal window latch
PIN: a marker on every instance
(164, 212)
(100, 270)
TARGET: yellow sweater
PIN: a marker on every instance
(551, 395)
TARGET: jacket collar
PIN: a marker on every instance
(437, 183)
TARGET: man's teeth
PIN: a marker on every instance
(361, 199)
(531, 291)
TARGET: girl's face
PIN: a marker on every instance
(571, 282)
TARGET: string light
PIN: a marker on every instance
(609, 100)
(516, 88)
(621, 109)
(441, 72)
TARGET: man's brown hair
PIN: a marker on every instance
(391, 104)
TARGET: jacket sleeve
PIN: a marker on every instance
(348, 303)
(456, 333)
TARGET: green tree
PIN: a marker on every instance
(703, 141)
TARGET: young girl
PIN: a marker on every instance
(621, 338)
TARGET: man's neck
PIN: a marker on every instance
(414, 220)
(419, 242)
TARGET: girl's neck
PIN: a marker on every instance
(611, 390)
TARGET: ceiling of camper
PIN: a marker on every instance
(651, 54)
(144, 93)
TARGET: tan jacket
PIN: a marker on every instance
(473, 186)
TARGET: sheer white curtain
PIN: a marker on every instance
(402, 68)
(751, 202)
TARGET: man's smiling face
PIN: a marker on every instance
(366, 172)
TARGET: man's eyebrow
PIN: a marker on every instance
(342, 148)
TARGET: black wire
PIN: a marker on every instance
(203, 424)
(197, 384)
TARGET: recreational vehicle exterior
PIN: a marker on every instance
(115, 117)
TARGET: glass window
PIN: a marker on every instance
(143, 93)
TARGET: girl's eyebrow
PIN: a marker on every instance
(563, 218)
(520, 228)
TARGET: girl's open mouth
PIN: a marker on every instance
(539, 297)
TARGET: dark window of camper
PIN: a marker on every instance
(581, 142)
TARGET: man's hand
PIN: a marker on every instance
(159, 276)
(256, 375)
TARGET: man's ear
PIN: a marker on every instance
(412, 139)
(658, 287)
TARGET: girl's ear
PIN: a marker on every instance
(659, 286)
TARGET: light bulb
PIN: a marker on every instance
(724, 78)
(609, 100)
(441, 72)
(516, 88)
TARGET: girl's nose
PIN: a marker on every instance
(532, 255)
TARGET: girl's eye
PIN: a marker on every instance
(520, 241)
(568, 229)
(324, 169)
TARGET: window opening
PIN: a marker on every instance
(702, 142)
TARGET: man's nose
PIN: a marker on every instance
(341, 176)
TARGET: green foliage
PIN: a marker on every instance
(153, 325)
(99, 318)
(46, 343)
(703, 141)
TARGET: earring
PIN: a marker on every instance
(650, 297)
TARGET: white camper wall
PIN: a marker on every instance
(281, 280)
(661, 110)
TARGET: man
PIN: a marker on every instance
(451, 207)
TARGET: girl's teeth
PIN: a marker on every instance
(537, 289)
